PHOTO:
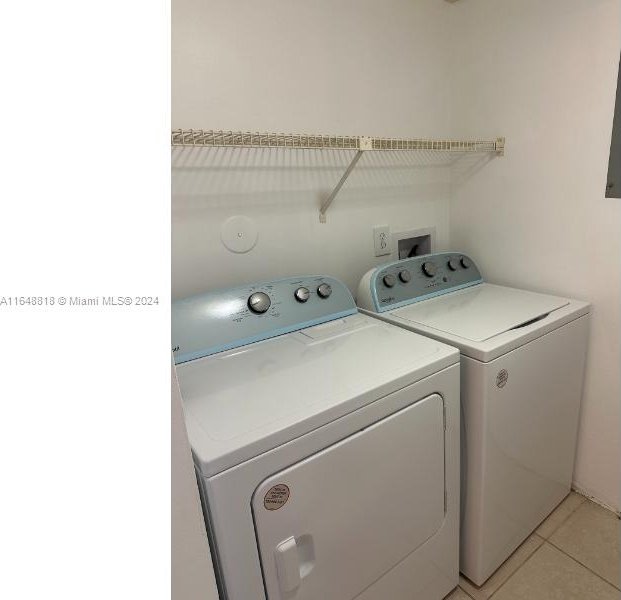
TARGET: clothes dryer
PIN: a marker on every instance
(325, 442)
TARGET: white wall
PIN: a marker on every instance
(544, 74)
(357, 67)
(192, 576)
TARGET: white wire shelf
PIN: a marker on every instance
(239, 139)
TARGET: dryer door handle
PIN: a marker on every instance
(287, 565)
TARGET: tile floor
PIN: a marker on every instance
(573, 555)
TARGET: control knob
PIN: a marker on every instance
(324, 290)
(302, 294)
(465, 262)
(389, 280)
(405, 276)
(453, 263)
(429, 269)
(259, 302)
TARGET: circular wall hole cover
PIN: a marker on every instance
(239, 234)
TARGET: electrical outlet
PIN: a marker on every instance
(381, 240)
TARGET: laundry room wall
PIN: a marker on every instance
(357, 67)
(544, 75)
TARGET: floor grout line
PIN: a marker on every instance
(545, 541)
(563, 521)
(507, 560)
(562, 552)
(583, 565)
(518, 569)
(465, 592)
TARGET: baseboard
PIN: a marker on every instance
(586, 494)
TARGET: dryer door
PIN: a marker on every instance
(330, 526)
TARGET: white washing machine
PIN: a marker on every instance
(522, 365)
(326, 444)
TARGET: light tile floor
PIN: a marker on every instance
(573, 555)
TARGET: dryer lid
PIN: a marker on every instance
(481, 312)
(248, 400)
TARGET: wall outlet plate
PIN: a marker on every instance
(381, 240)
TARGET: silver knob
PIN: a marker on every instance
(302, 294)
(259, 302)
(453, 264)
(389, 280)
(429, 269)
(405, 276)
(324, 290)
(465, 262)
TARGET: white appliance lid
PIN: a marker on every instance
(245, 401)
(480, 312)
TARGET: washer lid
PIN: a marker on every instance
(481, 312)
(246, 401)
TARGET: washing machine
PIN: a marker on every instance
(522, 366)
(325, 442)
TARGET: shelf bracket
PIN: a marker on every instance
(500, 146)
(365, 143)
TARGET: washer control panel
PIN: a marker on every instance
(225, 319)
(414, 279)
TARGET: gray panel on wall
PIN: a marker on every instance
(613, 189)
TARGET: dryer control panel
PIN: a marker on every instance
(411, 280)
(225, 319)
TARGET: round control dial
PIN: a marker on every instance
(324, 290)
(259, 302)
(465, 262)
(453, 263)
(389, 280)
(429, 269)
(405, 275)
(302, 294)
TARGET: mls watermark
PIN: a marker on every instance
(77, 301)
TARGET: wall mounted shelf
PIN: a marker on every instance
(360, 144)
